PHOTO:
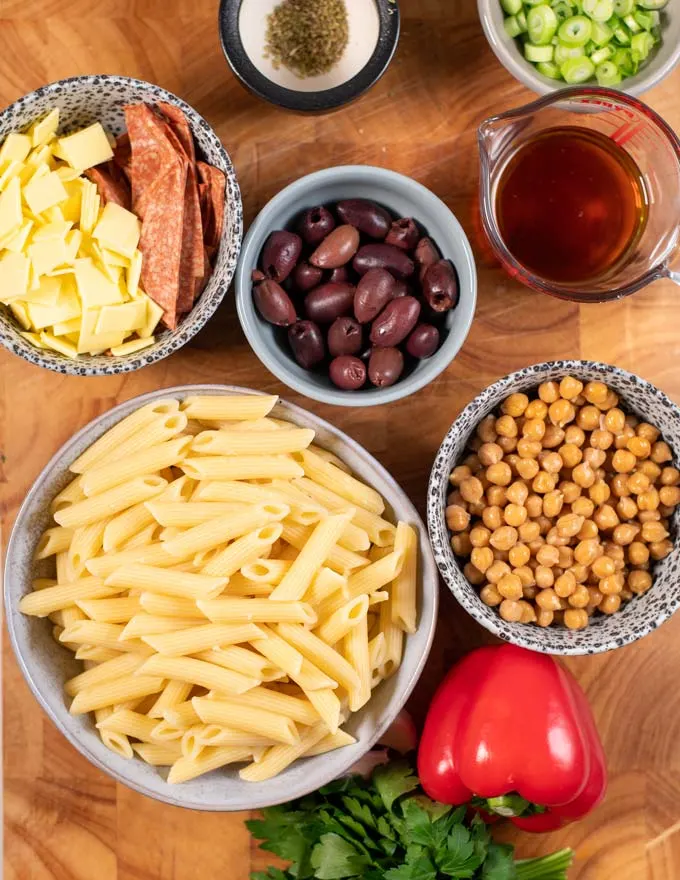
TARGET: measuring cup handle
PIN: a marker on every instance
(674, 276)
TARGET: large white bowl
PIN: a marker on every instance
(46, 665)
(507, 49)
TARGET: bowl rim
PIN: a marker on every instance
(308, 102)
(524, 72)
(175, 339)
(173, 794)
(430, 369)
(435, 512)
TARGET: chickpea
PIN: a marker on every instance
(610, 604)
(474, 443)
(566, 557)
(458, 474)
(490, 453)
(528, 447)
(650, 468)
(534, 505)
(473, 574)
(583, 507)
(517, 492)
(660, 549)
(580, 597)
(553, 503)
(460, 544)
(574, 436)
(526, 575)
(638, 553)
(605, 517)
(594, 457)
(580, 572)
(595, 597)
(543, 482)
(499, 474)
(649, 432)
(544, 617)
(649, 516)
(486, 430)
(595, 392)
(625, 595)
(515, 404)
(639, 581)
(490, 595)
(665, 511)
(527, 468)
(599, 492)
(670, 476)
(603, 567)
(611, 585)
(471, 489)
(496, 571)
(548, 600)
(601, 439)
(472, 461)
(510, 610)
(530, 592)
(528, 612)
(549, 392)
(479, 536)
(639, 446)
(492, 517)
(583, 475)
(553, 437)
(496, 497)
(570, 387)
(637, 483)
(669, 495)
(570, 455)
(561, 412)
(586, 551)
(555, 539)
(529, 531)
(533, 429)
(624, 461)
(570, 491)
(588, 530)
(569, 525)
(506, 426)
(519, 555)
(611, 401)
(515, 515)
(565, 585)
(575, 618)
(510, 587)
(503, 538)
(545, 577)
(507, 444)
(544, 523)
(661, 452)
(615, 420)
(551, 462)
(588, 418)
(548, 555)
(457, 518)
(626, 508)
(482, 558)
(625, 534)
(648, 500)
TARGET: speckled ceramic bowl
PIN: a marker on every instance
(46, 665)
(639, 616)
(83, 100)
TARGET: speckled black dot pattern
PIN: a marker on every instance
(638, 617)
(83, 100)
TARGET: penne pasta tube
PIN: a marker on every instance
(233, 491)
(226, 528)
(52, 541)
(339, 558)
(147, 536)
(241, 660)
(337, 625)
(182, 715)
(319, 653)
(170, 606)
(110, 502)
(257, 611)
(110, 610)
(394, 641)
(121, 665)
(157, 754)
(243, 550)
(166, 732)
(168, 582)
(86, 544)
(67, 616)
(230, 442)
(63, 566)
(179, 489)
(357, 654)
(117, 690)
(266, 724)
(69, 495)
(378, 597)
(198, 672)
(240, 586)
(377, 651)
(185, 769)
(279, 757)
(41, 603)
(96, 654)
(148, 461)
(327, 455)
(174, 693)
(125, 526)
(105, 635)
(299, 710)
(329, 743)
(265, 571)
(216, 735)
(379, 530)
(185, 514)
(190, 744)
(129, 723)
(369, 580)
(326, 583)
(117, 435)
(154, 555)
(161, 429)
(404, 586)
(332, 477)
(212, 408)
(329, 707)
(142, 624)
(206, 637)
(241, 467)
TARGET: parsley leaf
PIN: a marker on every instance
(499, 864)
(283, 834)
(335, 858)
(419, 869)
(394, 780)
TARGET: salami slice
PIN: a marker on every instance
(180, 126)
(122, 153)
(152, 152)
(112, 184)
(216, 182)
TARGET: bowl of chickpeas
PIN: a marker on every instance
(553, 508)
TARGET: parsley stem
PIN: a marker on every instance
(552, 867)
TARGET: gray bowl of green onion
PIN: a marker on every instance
(546, 44)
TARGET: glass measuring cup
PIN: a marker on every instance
(638, 130)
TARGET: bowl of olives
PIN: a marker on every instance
(356, 286)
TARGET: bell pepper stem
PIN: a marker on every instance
(507, 805)
(552, 867)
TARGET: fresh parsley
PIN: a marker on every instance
(386, 828)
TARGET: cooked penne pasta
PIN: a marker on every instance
(266, 724)
(161, 429)
(265, 571)
(339, 559)
(216, 735)
(147, 536)
(319, 653)
(243, 550)
(337, 625)
(110, 502)
(121, 665)
(41, 603)
(326, 583)
(279, 757)
(110, 610)
(55, 540)
(329, 743)
(116, 742)
(154, 554)
(241, 467)
(170, 583)
(357, 654)
(182, 715)
(379, 530)
(142, 624)
(404, 586)
(179, 489)
(241, 660)
(394, 640)
(190, 743)
(329, 707)
(96, 654)
(210, 408)
(63, 568)
(299, 710)
(129, 723)
(224, 528)
(378, 597)
(257, 611)
(174, 693)
(332, 477)
(87, 542)
(170, 606)
(158, 754)
(104, 635)
(198, 672)
(186, 514)
(125, 526)
(67, 616)
(185, 769)
(69, 495)
(226, 442)
(117, 690)
(104, 477)
(208, 636)
(234, 491)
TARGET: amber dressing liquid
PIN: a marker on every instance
(570, 205)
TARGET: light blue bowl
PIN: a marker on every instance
(403, 197)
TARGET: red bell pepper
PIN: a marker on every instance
(512, 731)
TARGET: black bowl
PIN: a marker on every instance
(308, 102)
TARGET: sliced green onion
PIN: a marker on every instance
(564, 53)
(653, 4)
(538, 53)
(512, 7)
(607, 74)
(522, 21)
(542, 24)
(600, 55)
(631, 24)
(511, 25)
(577, 70)
(626, 62)
(622, 35)
(549, 69)
(575, 31)
(599, 10)
(641, 45)
(624, 7)
(601, 34)
(646, 20)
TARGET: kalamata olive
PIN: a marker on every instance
(440, 286)
(344, 337)
(423, 341)
(383, 256)
(400, 288)
(403, 234)
(374, 291)
(347, 372)
(315, 224)
(329, 301)
(274, 304)
(337, 248)
(385, 366)
(306, 340)
(306, 277)
(368, 217)
(339, 275)
(425, 255)
(256, 276)
(395, 322)
(280, 254)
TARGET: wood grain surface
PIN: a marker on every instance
(65, 819)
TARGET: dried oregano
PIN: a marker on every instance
(307, 36)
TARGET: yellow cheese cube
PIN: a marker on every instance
(118, 230)
(114, 259)
(73, 239)
(89, 207)
(94, 288)
(44, 130)
(47, 293)
(41, 156)
(43, 192)
(67, 174)
(71, 208)
(14, 277)
(16, 147)
(153, 315)
(47, 254)
(124, 318)
(132, 346)
(10, 208)
(66, 308)
(18, 309)
(86, 148)
(34, 339)
(58, 344)
(113, 273)
(93, 342)
(53, 215)
(11, 170)
(134, 272)
(66, 328)
(55, 229)
(16, 241)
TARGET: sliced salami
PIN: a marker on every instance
(111, 183)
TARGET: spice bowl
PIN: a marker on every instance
(402, 197)
(637, 617)
(309, 65)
